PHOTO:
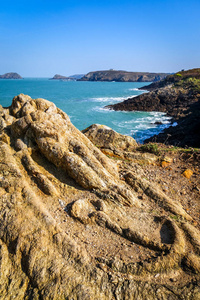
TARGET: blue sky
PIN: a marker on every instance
(42, 38)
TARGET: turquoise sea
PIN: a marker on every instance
(84, 103)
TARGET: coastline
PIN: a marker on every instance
(179, 97)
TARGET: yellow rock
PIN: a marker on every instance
(188, 173)
(167, 159)
(165, 164)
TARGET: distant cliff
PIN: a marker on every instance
(113, 75)
(10, 75)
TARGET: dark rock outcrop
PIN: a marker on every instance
(173, 101)
(76, 224)
(186, 133)
(10, 75)
(178, 96)
(113, 75)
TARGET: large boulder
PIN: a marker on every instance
(104, 137)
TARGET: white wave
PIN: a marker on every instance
(101, 109)
(111, 99)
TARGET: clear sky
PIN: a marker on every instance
(41, 38)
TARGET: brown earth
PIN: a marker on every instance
(79, 224)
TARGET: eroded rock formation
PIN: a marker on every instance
(76, 224)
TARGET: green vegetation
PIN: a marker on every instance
(178, 74)
(174, 217)
(182, 150)
(151, 148)
(189, 83)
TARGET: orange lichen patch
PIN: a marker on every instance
(109, 152)
(187, 173)
(165, 164)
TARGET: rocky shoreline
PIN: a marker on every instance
(178, 96)
(91, 215)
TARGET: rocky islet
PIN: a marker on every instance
(11, 75)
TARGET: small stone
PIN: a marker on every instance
(187, 173)
(81, 210)
(167, 159)
(183, 192)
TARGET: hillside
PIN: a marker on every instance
(113, 75)
(90, 215)
(10, 75)
(173, 79)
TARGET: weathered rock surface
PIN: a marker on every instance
(104, 137)
(10, 75)
(76, 224)
(113, 75)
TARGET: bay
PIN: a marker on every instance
(84, 102)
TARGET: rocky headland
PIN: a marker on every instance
(10, 75)
(178, 96)
(91, 215)
(124, 76)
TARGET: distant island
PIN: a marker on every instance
(124, 76)
(72, 77)
(10, 75)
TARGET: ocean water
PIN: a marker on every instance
(84, 103)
